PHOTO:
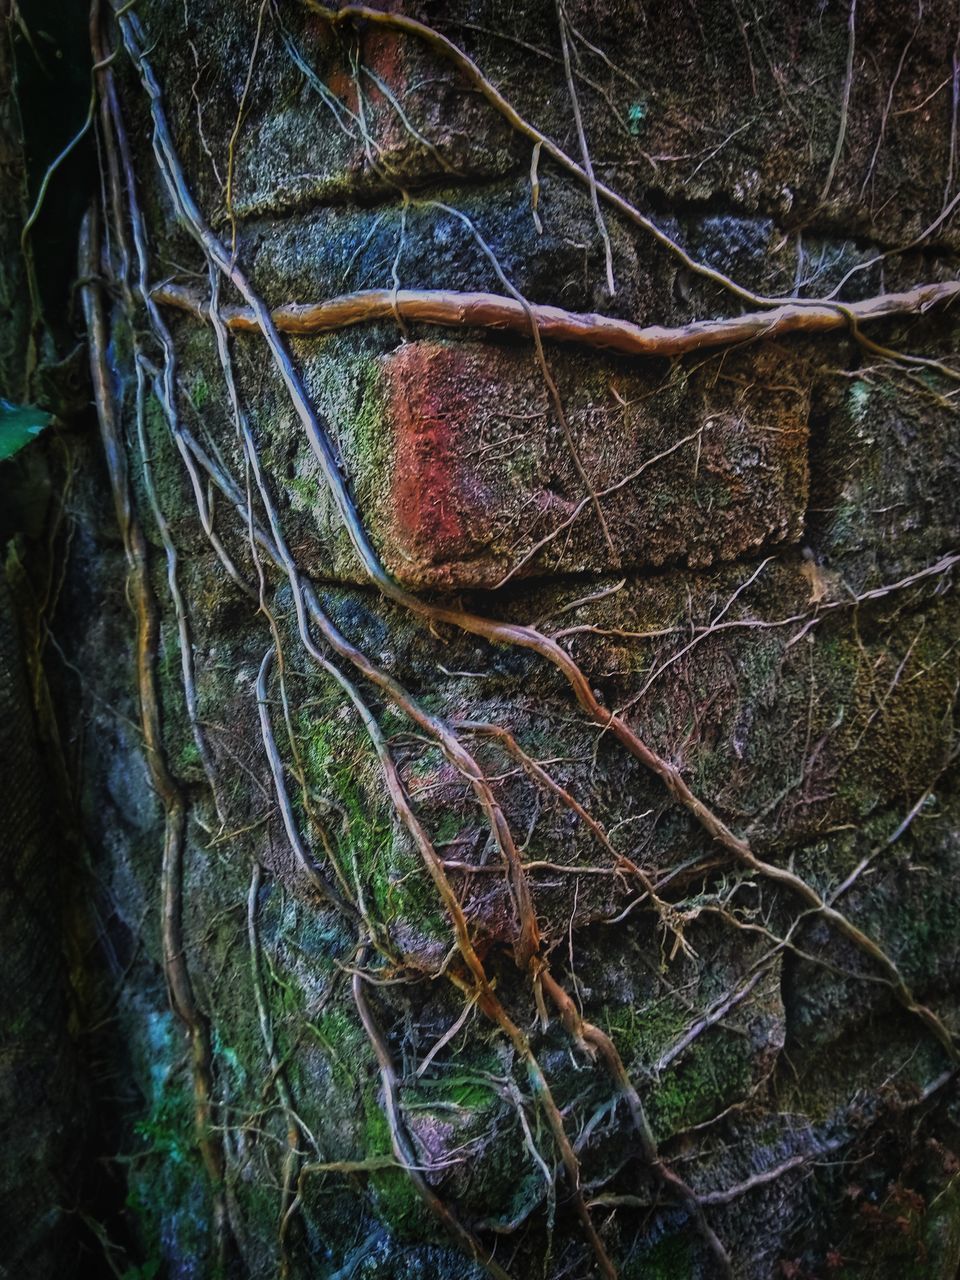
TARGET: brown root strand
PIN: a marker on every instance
(401, 1143)
(493, 311)
(180, 988)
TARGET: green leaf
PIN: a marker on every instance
(19, 424)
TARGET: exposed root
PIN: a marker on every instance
(277, 1074)
(728, 1194)
(621, 864)
(482, 991)
(401, 1143)
(490, 311)
(307, 865)
(599, 1042)
(175, 964)
(489, 629)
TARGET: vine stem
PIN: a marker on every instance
(306, 863)
(476, 310)
(307, 604)
(402, 1150)
(600, 1043)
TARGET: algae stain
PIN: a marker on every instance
(167, 1189)
(715, 1071)
(859, 398)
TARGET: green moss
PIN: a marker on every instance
(180, 743)
(712, 771)
(342, 768)
(641, 1035)
(342, 1040)
(339, 767)
(200, 391)
(165, 465)
(370, 445)
(168, 1193)
(306, 489)
(499, 1182)
(521, 466)
(398, 1201)
(188, 759)
(715, 1071)
(448, 827)
(761, 662)
(893, 732)
(462, 1090)
(168, 1129)
(669, 1259)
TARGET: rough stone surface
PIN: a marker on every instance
(776, 617)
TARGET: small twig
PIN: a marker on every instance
(238, 124)
(448, 1035)
(277, 1075)
(895, 80)
(176, 971)
(845, 102)
(584, 150)
(349, 14)
(599, 1042)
